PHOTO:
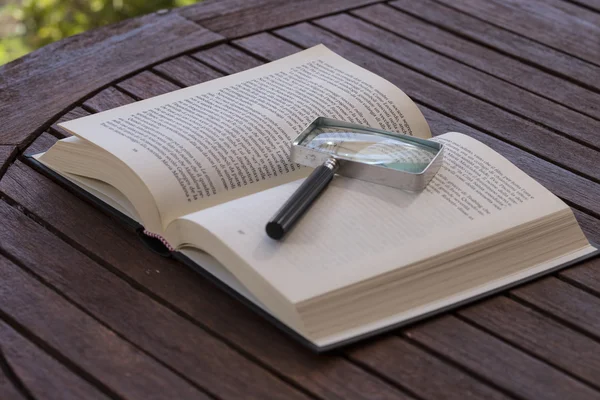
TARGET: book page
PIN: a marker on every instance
(230, 137)
(358, 230)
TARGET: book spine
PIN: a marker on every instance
(155, 242)
(160, 238)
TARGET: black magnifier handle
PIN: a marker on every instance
(301, 200)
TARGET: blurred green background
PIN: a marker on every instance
(26, 25)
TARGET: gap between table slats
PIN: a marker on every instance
(37, 374)
(592, 5)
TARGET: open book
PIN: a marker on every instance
(202, 169)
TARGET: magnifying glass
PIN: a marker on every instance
(356, 151)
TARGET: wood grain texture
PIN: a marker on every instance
(84, 63)
(547, 339)
(506, 42)
(186, 71)
(42, 143)
(9, 392)
(267, 46)
(162, 333)
(325, 376)
(233, 18)
(484, 59)
(146, 84)
(420, 372)
(43, 376)
(592, 4)
(75, 113)
(496, 361)
(7, 153)
(69, 331)
(9, 387)
(565, 27)
(564, 301)
(590, 225)
(476, 113)
(226, 59)
(106, 99)
(571, 7)
(464, 78)
(589, 276)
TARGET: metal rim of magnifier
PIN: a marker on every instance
(409, 181)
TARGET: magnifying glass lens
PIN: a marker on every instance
(373, 149)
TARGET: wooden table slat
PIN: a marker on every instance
(84, 63)
(542, 21)
(8, 389)
(506, 42)
(590, 226)
(421, 372)
(146, 84)
(233, 19)
(106, 99)
(539, 335)
(497, 361)
(266, 46)
(587, 277)
(227, 59)
(75, 335)
(482, 58)
(40, 144)
(42, 376)
(216, 8)
(76, 112)
(468, 109)
(576, 9)
(592, 4)
(162, 333)
(565, 301)
(185, 71)
(7, 154)
(10, 385)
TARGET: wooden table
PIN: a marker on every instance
(87, 312)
